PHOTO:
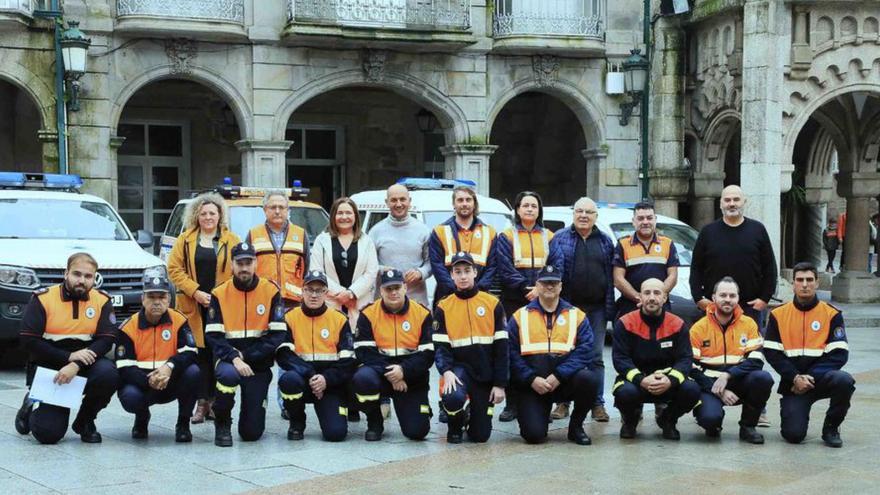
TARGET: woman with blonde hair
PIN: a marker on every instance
(200, 261)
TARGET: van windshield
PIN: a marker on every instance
(683, 236)
(59, 219)
(313, 220)
(499, 221)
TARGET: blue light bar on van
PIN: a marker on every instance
(605, 204)
(40, 181)
(427, 183)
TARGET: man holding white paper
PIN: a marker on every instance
(70, 327)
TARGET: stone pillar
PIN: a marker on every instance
(707, 188)
(668, 179)
(469, 161)
(764, 42)
(855, 284)
(595, 158)
(263, 162)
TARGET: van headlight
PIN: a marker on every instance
(18, 277)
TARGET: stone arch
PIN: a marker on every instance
(588, 113)
(41, 95)
(200, 75)
(716, 139)
(848, 27)
(871, 27)
(452, 118)
(824, 31)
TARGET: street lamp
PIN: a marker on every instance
(426, 121)
(635, 76)
(74, 50)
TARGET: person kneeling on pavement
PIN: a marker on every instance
(471, 352)
(653, 357)
(156, 358)
(394, 349)
(318, 362)
(727, 364)
(550, 352)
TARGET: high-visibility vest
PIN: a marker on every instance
(156, 344)
(476, 242)
(245, 314)
(397, 335)
(535, 338)
(634, 252)
(316, 338)
(76, 320)
(805, 333)
(530, 249)
(715, 349)
(287, 267)
(469, 321)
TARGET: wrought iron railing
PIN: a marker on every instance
(211, 10)
(585, 18)
(395, 14)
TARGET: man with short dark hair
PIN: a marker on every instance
(727, 364)
(806, 344)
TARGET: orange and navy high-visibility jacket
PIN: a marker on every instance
(54, 325)
(469, 331)
(143, 347)
(546, 343)
(449, 238)
(246, 322)
(642, 262)
(402, 337)
(319, 342)
(734, 348)
(646, 344)
(521, 255)
(286, 267)
(805, 339)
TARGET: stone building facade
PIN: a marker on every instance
(779, 96)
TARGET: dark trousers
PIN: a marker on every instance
(533, 410)
(332, 413)
(479, 425)
(753, 391)
(410, 407)
(836, 385)
(205, 361)
(510, 306)
(183, 387)
(629, 398)
(254, 389)
(49, 423)
(831, 254)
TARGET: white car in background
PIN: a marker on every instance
(432, 205)
(615, 220)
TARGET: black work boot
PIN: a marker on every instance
(296, 430)
(86, 430)
(831, 436)
(630, 422)
(576, 431)
(223, 431)
(140, 429)
(182, 434)
(375, 426)
(456, 425)
(23, 416)
(667, 424)
(750, 435)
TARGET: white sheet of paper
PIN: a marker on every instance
(45, 390)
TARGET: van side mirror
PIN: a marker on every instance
(144, 239)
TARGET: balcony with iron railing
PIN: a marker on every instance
(379, 23)
(17, 12)
(567, 26)
(212, 19)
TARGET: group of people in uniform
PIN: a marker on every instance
(537, 345)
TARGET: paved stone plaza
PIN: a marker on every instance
(504, 465)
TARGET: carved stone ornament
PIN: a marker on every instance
(181, 54)
(546, 70)
(374, 65)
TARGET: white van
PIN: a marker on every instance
(45, 220)
(615, 220)
(432, 205)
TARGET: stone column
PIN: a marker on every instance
(855, 284)
(764, 42)
(263, 162)
(707, 190)
(595, 158)
(469, 161)
(668, 180)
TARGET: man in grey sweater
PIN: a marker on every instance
(402, 243)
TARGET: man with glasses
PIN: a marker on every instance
(318, 362)
(588, 284)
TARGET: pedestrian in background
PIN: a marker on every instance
(830, 243)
